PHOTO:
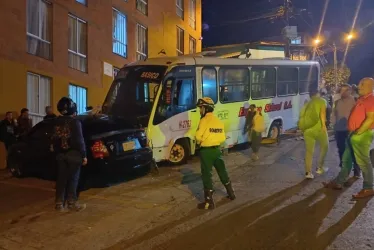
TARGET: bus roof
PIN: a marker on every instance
(199, 60)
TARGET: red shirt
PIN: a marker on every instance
(364, 104)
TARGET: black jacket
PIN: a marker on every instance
(68, 135)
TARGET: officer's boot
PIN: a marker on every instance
(209, 202)
(230, 191)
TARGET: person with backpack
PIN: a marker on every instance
(254, 126)
(312, 123)
(69, 146)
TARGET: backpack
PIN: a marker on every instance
(61, 137)
(308, 117)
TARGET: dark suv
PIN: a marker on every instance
(112, 147)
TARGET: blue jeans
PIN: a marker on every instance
(69, 165)
(341, 140)
(360, 146)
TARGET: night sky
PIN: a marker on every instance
(225, 23)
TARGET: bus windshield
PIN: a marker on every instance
(133, 92)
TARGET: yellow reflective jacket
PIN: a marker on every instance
(211, 131)
(258, 123)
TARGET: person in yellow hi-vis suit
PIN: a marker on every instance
(210, 135)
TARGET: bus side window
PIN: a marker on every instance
(308, 77)
(263, 83)
(209, 84)
(287, 81)
(234, 84)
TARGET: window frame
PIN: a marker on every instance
(217, 84)
(180, 8)
(313, 67)
(251, 83)
(145, 3)
(181, 39)
(192, 18)
(231, 67)
(191, 39)
(39, 37)
(297, 80)
(125, 43)
(142, 54)
(76, 53)
(78, 87)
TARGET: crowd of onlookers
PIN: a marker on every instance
(12, 129)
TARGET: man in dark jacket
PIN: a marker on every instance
(68, 143)
(49, 113)
(8, 130)
(24, 123)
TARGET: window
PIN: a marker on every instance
(233, 85)
(79, 96)
(119, 33)
(84, 2)
(308, 77)
(39, 28)
(180, 8)
(115, 71)
(263, 84)
(180, 41)
(192, 14)
(177, 96)
(287, 81)
(142, 6)
(38, 95)
(209, 79)
(141, 42)
(192, 45)
(77, 44)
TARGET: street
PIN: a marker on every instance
(275, 209)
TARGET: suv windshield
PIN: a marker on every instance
(132, 93)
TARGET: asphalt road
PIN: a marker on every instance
(275, 209)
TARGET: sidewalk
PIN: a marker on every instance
(151, 210)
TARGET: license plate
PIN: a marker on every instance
(127, 146)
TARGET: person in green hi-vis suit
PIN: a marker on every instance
(210, 135)
(361, 127)
(312, 122)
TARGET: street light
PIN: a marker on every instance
(317, 41)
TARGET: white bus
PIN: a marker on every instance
(160, 95)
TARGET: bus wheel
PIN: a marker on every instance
(179, 153)
(274, 131)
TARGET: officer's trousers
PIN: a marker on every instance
(360, 146)
(311, 136)
(209, 157)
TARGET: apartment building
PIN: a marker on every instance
(55, 48)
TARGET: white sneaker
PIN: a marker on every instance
(309, 176)
(322, 170)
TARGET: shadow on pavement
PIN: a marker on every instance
(293, 227)
(208, 233)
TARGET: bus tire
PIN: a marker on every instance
(275, 131)
(179, 152)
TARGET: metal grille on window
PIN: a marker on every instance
(180, 41)
(142, 6)
(119, 33)
(38, 96)
(180, 8)
(192, 14)
(142, 44)
(79, 96)
(77, 44)
(39, 28)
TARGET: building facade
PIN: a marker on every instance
(55, 48)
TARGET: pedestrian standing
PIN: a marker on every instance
(340, 115)
(254, 126)
(312, 123)
(69, 146)
(24, 123)
(49, 113)
(360, 126)
(8, 128)
(210, 135)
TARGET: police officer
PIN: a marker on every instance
(69, 146)
(210, 135)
